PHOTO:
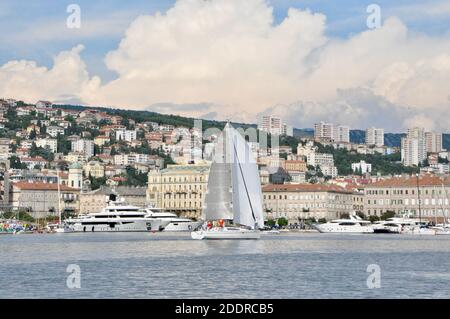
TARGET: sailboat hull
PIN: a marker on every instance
(226, 233)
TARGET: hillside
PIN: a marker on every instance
(356, 136)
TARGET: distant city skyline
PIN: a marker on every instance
(306, 61)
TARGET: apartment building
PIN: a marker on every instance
(179, 188)
(301, 201)
(433, 142)
(130, 159)
(83, 146)
(50, 143)
(427, 195)
(375, 136)
(331, 132)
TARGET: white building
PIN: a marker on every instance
(53, 131)
(320, 159)
(83, 146)
(342, 134)
(75, 176)
(414, 147)
(126, 135)
(375, 136)
(329, 170)
(331, 132)
(433, 142)
(271, 124)
(43, 104)
(324, 161)
(50, 143)
(287, 130)
(362, 167)
(129, 159)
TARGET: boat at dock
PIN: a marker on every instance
(117, 217)
(354, 224)
(176, 224)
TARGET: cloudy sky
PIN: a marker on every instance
(303, 60)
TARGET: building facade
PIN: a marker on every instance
(427, 196)
(41, 199)
(179, 188)
(94, 201)
(433, 142)
(301, 201)
(375, 136)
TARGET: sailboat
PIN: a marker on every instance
(443, 229)
(233, 196)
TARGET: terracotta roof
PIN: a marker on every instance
(304, 188)
(411, 181)
(42, 186)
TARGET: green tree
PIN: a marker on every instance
(388, 214)
(270, 222)
(282, 221)
(14, 162)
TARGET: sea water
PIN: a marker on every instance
(165, 265)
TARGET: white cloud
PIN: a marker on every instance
(68, 79)
(230, 56)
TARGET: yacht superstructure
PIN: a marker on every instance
(175, 223)
(117, 217)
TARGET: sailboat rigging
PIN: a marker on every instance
(233, 191)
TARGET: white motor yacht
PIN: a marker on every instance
(402, 225)
(175, 223)
(352, 225)
(117, 217)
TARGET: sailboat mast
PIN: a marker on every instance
(418, 197)
(59, 195)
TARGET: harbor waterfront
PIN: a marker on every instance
(171, 265)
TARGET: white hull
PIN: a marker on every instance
(66, 229)
(182, 226)
(443, 232)
(325, 228)
(134, 226)
(226, 233)
(419, 231)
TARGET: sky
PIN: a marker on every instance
(305, 61)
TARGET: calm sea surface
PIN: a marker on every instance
(294, 265)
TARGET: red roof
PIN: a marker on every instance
(42, 186)
(304, 188)
(411, 181)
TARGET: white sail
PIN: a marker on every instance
(246, 185)
(234, 187)
(218, 199)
